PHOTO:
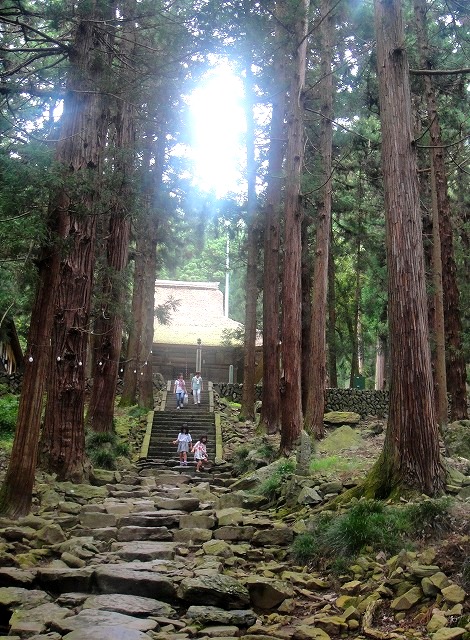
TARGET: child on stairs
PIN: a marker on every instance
(200, 453)
(183, 441)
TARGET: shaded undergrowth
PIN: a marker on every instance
(104, 448)
(370, 525)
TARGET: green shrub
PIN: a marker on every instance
(122, 449)
(304, 548)
(241, 462)
(271, 487)
(429, 516)
(104, 447)
(267, 451)
(137, 412)
(466, 574)
(8, 413)
(103, 459)
(370, 524)
(324, 464)
(96, 439)
(366, 524)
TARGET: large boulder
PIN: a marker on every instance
(121, 579)
(338, 418)
(214, 590)
(93, 618)
(130, 605)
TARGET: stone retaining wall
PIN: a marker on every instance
(365, 402)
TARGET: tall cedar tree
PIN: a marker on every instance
(109, 325)
(455, 361)
(248, 397)
(331, 325)
(316, 382)
(271, 406)
(77, 153)
(297, 16)
(138, 383)
(410, 458)
(63, 437)
(152, 194)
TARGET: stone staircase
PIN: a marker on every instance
(159, 451)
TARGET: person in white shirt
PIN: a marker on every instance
(180, 390)
(183, 441)
(196, 386)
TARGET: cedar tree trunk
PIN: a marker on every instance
(63, 438)
(455, 361)
(108, 327)
(410, 458)
(271, 406)
(291, 287)
(315, 407)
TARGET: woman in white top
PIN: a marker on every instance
(180, 390)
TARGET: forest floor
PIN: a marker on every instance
(358, 600)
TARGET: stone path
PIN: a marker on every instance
(150, 553)
(157, 555)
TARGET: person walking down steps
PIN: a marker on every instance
(200, 453)
(179, 390)
(183, 441)
(196, 386)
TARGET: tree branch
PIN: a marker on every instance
(439, 72)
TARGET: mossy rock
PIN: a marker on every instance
(342, 438)
(341, 417)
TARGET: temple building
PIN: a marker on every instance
(198, 336)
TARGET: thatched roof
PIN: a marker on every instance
(200, 313)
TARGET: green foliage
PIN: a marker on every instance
(331, 463)
(371, 525)
(430, 516)
(267, 451)
(8, 413)
(466, 574)
(95, 439)
(240, 460)
(137, 412)
(122, 449)
(245, 457)
(367, 524)
(304, 548)
(271, 487)
(104, 448)
(103, 459)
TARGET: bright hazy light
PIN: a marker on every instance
(218, 122)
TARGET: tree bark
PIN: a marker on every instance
(63, 438)
(17, 488)
(247, 409)
(315, 407)
(152, 193)
(271, 406)
(410, 459)
(292, 419)
(331, 327)
(455, 375)
(108, 326)
(132, 363)
(440, 380)
(355, 328)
